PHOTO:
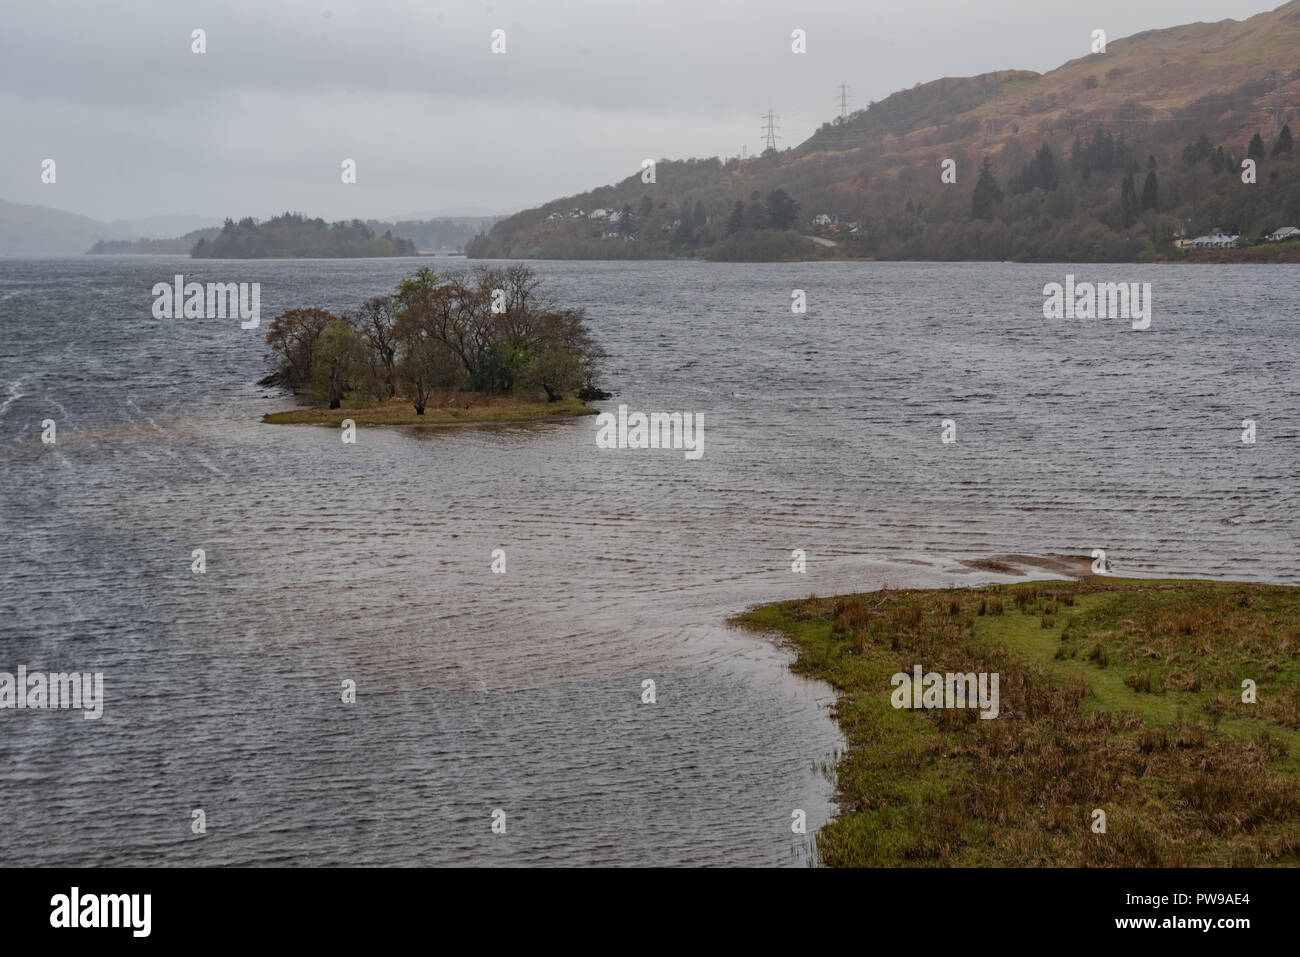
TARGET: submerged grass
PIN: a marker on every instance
(1116, 695)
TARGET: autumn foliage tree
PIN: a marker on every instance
(375, 322)
(292, 337)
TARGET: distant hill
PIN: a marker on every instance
(41, 231)
(293, 236)
(182, 245)
(436, 235)
(459, 213)
(166, 226)
(1109, 157)
(27, 230)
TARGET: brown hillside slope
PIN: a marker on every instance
(1215, 76)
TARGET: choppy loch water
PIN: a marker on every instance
(328, 562)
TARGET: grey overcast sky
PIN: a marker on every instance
(139, 125)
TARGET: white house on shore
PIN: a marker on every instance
(1286, 232)
(598, 214)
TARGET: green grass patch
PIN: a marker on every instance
(1117, 695)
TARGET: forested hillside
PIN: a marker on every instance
(1113, 156)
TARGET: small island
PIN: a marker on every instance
(1171, 707)
(441, 350)
(293, 236)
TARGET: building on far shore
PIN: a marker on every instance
(1214, 240)
(1286, 232)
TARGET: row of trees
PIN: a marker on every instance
(777, 211)
(1092, 167)
(1203, 151)
(490, 332)
(1045, 173)
(292, 236)
(725, 226)
(691, 229)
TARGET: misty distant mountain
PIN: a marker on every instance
(166, 226)
(43, 231)
(453, 212)
(433, 235)
(180, 246)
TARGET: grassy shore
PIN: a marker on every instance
(1118, 695)
(481, 410)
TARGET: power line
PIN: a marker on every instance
(844, 102)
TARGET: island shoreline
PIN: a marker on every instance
(402, 414)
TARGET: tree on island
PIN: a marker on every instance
(292, 337)
(375, 323)
(336, 359)
(490, 332)
(427, 364)
(292, 235)
(553, 369)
